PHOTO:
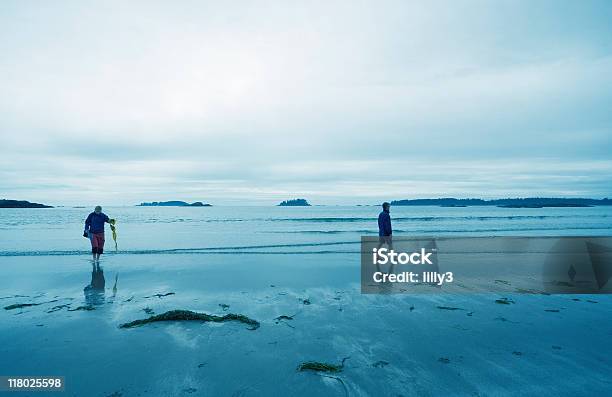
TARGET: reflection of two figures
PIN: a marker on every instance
(94, 291)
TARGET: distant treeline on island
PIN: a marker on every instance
(21, 204)
(295, 203)
(528, 202)
(173, 204)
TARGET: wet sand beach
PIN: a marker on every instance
(309, 308)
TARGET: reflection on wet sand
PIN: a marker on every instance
(94, 291)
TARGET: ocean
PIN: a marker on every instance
(296, 271)
(171, 230)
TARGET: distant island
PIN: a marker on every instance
(295, 203)
(21, 204)
(173, 204)
(528, 202)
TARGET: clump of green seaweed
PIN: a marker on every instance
(188, 315)
(317, 366)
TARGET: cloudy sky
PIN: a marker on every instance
(117, 102)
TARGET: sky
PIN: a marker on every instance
(339, 102)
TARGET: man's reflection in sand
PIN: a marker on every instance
(94, 292)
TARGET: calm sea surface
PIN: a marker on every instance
(142, 230)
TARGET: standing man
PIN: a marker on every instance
(384, 226)
(94, 229)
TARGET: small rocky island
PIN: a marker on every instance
(21, 204)
(295, 203)
(173, 204)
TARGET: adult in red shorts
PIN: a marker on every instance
(94, 229)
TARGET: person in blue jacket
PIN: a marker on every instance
(94, 230)
(384, 226)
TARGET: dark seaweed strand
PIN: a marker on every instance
(187, 315)
(319, 367)
(322, 367)
(20, 305)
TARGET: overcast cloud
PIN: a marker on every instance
(117, 102)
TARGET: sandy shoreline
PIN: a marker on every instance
(398, 345)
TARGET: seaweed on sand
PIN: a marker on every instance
(504, 301)
(531, 291)
(161, 295)
(380, 364)
(321, 367)
(280, 319)
(58, 307)
(188, 315)
(86, 308)
(14, 296)
(505, 320)
(20, 305)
